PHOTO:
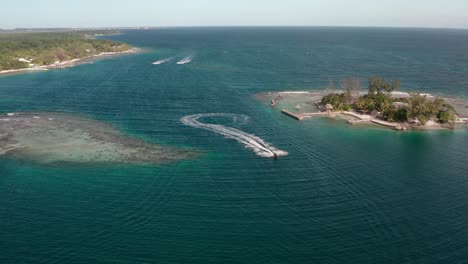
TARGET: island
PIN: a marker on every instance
(23, 51)
(382, 104)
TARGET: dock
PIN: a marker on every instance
(359, 119)
(302, 116)
(387, 124)
(461, 121)
(367, 118)
(293, 115)
(313, 114)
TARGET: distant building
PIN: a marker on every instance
(24, 60)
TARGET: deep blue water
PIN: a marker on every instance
(342, 195)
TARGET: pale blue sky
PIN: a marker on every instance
(119, 13)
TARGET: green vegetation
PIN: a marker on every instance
(373, 102)
(337, 100)
(45, 48)
(422, 109)
(379, 102)
(378, 85)
(394, 114)
(445, 117)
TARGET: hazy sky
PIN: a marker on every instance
(115, 13)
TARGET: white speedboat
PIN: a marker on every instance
(185, 60)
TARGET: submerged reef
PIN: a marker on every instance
(56, 138)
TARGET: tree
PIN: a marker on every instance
(401, 115)
(437, 106)
(375, 84)
(378, 85)
(369, 102)
(396, 85)
(336, 100)
(445, 117)
(419, 108)
(422, 109)
(351, 89)
(61, 54)
(47, 47)
(394, 114)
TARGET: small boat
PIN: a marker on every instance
(185, 60)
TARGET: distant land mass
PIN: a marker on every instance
(30, 49)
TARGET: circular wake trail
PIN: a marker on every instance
(260, 147)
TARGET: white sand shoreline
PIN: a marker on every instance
(69, 63)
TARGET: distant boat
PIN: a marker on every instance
(185, 60)
(162, 61)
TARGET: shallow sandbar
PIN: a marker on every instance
(51, 137)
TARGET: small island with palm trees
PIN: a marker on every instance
(382, 104)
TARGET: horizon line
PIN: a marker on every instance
(232, 26)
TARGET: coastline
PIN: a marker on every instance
(301, 105)
(70, 63)
(96, 36)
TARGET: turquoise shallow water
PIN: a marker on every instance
(342, 195)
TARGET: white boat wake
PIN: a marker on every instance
(185, 60)
(260, 147)
(159, 62)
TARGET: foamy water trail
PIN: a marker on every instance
(260, 147)
(162, 61)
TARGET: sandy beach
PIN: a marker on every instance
(69, 63)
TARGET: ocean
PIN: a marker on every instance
(342, 194)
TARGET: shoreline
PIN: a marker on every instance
(69, 63)
(301, 105)
(96, 36)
